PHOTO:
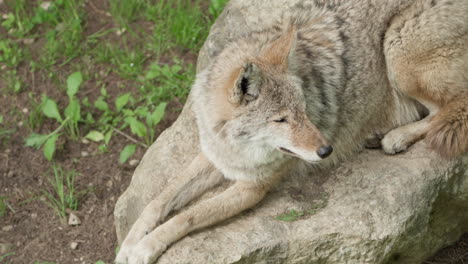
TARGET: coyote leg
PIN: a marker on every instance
(194, 181)
(240, 196)
(426, 52)
(400, 138)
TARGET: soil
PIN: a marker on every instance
(33, 229)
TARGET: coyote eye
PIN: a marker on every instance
(281, 120)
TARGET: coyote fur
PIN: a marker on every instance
(308, 91)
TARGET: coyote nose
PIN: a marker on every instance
(324, 151)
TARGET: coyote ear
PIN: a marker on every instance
(281, 51)
(246, 86)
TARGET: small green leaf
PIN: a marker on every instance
(108, 136)
(128, 112)
(73, 83)
(137, 127)
(158, 114)
(104, 91)
(121, 101)
(153, 72)
(49, 147)
(73, 110)
(17, 87)
(291, 216)
(103, 148)
(100, 262)
(10, 19)
(1, 119)
(89, 118)
(50, 109)
(126, 153)
(35, 140)
(101, 105)
(95, 136)
(176, 68)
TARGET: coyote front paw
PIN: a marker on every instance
(146, 251)
(396, 141)
(122, 256)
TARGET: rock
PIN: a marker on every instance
(133, 162)
(372, 209)
(28, 41)
(7, 228)
(46, 5)
(6, 248)
(119, 32)
(84, 154)
(73, 220)
(74, 245)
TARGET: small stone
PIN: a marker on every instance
(73, 220)
(84, 154)
(11, 174)
(119, 32)
(28, 41)
(25, 110)
(46, 5)
(109, 184)
(74, 245)
(5, 248)
(7, 228)
(4, 16)
(85, 141)
(20, 123)
(134, 162)
(33, 215)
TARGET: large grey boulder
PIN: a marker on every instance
(372, 209)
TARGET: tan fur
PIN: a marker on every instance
(277, 53)
(449, 129)
(306, 135)
(434, 72)
(270, 100)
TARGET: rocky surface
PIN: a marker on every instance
(372, 209)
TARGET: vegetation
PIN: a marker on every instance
(102, 79)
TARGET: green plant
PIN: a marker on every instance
(50, 109)
(124, 11)
(4, 205)
(3, 257)
(10, 53)
(216, 7)
(62, 194)
(294, 215)
(290, 216)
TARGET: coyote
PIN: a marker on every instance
(307, 92)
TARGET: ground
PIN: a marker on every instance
(119, 61)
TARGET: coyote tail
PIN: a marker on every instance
(448, 133)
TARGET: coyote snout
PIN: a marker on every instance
(304, 140)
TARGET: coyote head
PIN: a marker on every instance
(264, 107)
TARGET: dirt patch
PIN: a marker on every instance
(34, 229)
